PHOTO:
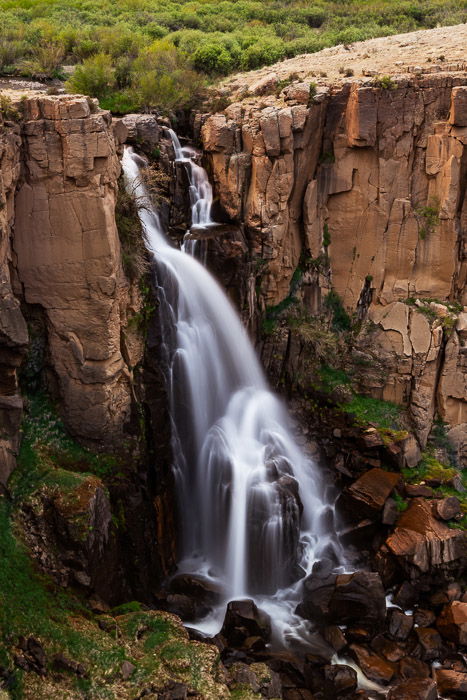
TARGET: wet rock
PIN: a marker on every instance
(413, 668)
(373, 666)
(335, 637)
(430, 642)
(339, 681)
(399, 624)
(451, 684)
(344, 598)
(388, 649)
(414, 690)
(424, 618)
(447, 508)
(452, 623)
(243, 619)
(405, 595)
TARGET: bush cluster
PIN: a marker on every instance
(117, 45)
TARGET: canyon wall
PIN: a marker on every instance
(71, 332)
(361, 187)
(68, 259)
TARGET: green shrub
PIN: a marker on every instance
(340, 318)
(212, 59)
(163, 77)
(95, 77)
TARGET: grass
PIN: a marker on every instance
(439, 474)
(382, 414)
(49, 457)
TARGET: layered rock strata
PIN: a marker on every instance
(364, 186)
(68, 259)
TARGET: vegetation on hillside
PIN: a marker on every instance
(155, 53)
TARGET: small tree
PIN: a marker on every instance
(213, 59)
(163, 77)
(94, 77)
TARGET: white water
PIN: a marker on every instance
(237, 465)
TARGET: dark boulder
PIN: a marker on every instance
(343, 599)
(451, 684)
(243, 619)
(339, 681)
(452, 623)
(399, 624)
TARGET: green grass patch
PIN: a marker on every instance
(382, 414)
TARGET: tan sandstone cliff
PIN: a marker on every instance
(366, 182)
(60, 238)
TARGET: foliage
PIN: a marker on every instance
(383, 414)
(95, 77)
(341, 320)
(401, 503)
(49, 456)
(385, 82)
(430, 217)
(38, 37)
(134, 254)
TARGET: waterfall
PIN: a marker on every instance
(253, 512)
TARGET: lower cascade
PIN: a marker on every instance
(253, 509)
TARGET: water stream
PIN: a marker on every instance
(254, 517)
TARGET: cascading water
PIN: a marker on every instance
(254, 517)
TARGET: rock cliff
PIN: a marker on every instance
(68, 259)
(360, 185)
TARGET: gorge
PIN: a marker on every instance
(337, 232)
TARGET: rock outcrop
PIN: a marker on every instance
(13, 330)
(361, 184)
(68, 259)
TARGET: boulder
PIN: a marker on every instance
(399, 624)
(413, 668)
(372, 665)
(339, 681)
(452, 623)
(243, 619)
(369, 493)
(344, 599)
(423, 618)
(447, 508)
(451, 684)
(431, 644)
(415, 689)
(197, 587)
(422, 544)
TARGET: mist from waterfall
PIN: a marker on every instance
(254, 517)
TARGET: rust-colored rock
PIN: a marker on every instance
(414, 690)
(452, 623)
(422, 544)
(372, 489)
(372, 665)
(451, 684)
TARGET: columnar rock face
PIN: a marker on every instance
(365, 183)
(13, 331)
(68, 258)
